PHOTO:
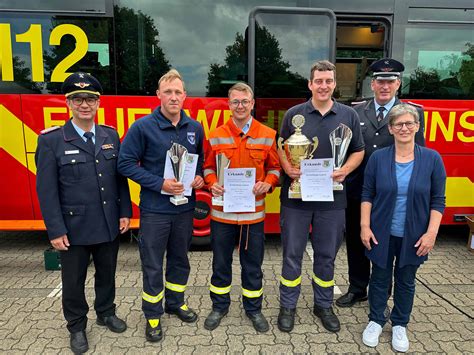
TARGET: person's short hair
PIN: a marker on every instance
(322, 65)
(171, 75)
(400, 110)
(241, 87)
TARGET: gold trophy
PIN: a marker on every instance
(297, 148)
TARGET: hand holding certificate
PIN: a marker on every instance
(316, 181)
(238, 195)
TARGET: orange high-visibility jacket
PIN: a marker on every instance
(256, 149)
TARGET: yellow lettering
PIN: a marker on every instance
(202, 118)
(133, 112)
(100, 116)
(120, 122)
(466, 125)
(33, 37)
(80, 50)
(227, 115)
(437, 121)
(47, 114)
(6, 53)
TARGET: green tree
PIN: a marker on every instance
(273, 77)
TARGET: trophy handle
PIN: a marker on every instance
(315, 145)
(280, 147)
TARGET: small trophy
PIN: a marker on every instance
(178, 155)
(297, 148)
(222, 162)
(340, 139)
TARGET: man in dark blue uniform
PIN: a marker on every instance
(164, 227)
(373, 116)
(325, 219)
(85, 205)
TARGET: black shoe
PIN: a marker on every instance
(286, 319)
(114, 323)
(79, 344)
(259, 322)
(184, 313)
(328, 318)
(349, 299)
(153, 330)
(214, 319)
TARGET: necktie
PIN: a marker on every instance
(90, 142)
(381, 109)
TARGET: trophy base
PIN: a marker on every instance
(294, 194)
(178, 200)
(337, 186)
(218, 201)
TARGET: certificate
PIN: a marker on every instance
(188, 176)
(238, 185)
(316, 180)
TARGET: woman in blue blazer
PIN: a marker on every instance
(403, 200)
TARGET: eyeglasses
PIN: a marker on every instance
(236, 103)
(77, 101)
(409, 124)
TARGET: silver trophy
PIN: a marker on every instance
(340, 139)
(178, 156)
(222, 162)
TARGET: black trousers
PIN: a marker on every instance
(359, 264)
(251, 252)
(74, 263)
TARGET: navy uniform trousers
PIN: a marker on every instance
(74, 263)
(251, 252)
(160, 233)
(326, 238)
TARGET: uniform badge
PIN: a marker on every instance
(107, 146)
(192, 137)
(69, 152)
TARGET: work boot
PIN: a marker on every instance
(114, 323)
(328, 318)
(214, 319)
(349, 299)
(153, 331)
(78, 342)
(184, 313)
(259, 322)
(286, 319)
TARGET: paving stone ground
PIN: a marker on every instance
(31, 320)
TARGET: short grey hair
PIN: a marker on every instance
(400, 110)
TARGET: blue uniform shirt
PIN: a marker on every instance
(320, 126)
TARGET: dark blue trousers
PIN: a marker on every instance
(160, 233)
(326, 238)
(251, 253)
(74, 263)
(404, 288)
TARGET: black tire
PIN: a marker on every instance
(204, 241)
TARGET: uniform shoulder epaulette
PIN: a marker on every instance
(354, 103)
(415, 104)
(106, 125)
(50, 129)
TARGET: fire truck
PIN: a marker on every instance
(129, 44)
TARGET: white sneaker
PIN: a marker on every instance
(399, 339)
(371, 334)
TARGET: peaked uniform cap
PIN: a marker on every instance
(81, 83)
(386, 69)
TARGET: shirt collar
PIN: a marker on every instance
(310, 108)
(246, 128)
(388, 106)
(81, 132)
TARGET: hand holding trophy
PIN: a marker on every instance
(297, 148)
(222, 162)
(178, 155)
(340, 139)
